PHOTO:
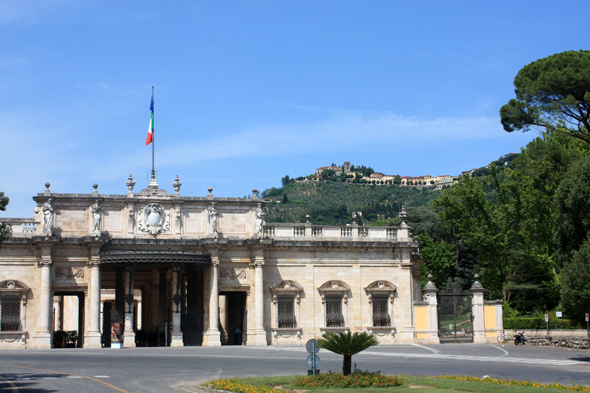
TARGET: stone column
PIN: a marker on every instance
(479, 335)
(223, 320)
(212, 336)
(93, 337)
(56, 313)
(257, 336)
(176, 339)
(162, 308)
(45, 307)
(129, 335)
(430, 291)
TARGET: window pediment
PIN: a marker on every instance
(13, 286)
(286, 286)
(334, 286)
(380, 286)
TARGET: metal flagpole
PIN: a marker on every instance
(153, 136)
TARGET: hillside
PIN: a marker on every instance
(332, 203)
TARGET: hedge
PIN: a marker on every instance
(521, 323)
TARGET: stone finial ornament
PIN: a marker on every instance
(177, 185)
(403, 215)
(95, 192)
(477, 287)
(210, 195)
(130, 184)
(307, 218)
(47, 190)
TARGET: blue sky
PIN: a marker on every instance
(250, 91)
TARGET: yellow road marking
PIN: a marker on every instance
(59, 372)
(14, 387)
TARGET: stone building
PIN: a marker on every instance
(199, 271)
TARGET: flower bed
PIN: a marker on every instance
(358, 379)
(515, 382)
(240, 386)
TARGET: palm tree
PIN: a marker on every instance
(347, 344)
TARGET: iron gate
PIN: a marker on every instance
(455, 319)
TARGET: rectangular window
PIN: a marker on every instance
(380, 311)
(10, 314)
(334, 317)
(286, 308)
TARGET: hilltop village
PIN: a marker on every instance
(362, 174)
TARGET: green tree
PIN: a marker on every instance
(575, 292)
(285, 199)
(573, 207)
(440, 260)
(397, 179)
(5, 229)
(286, 180)
(552, 93)
(347, 344)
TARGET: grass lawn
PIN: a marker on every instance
(411, 384)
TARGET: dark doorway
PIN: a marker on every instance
(71, 338)
(236, 317)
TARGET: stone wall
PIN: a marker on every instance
(577, 338)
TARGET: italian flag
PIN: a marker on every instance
(150, 135)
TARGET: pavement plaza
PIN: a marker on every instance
(173, 369)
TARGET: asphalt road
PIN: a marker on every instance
(152, 370)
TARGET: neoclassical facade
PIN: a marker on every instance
(198, 271)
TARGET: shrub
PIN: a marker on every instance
(520, 323)
(358, 379)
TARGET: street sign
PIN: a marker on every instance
(587, 317)
(558, 314)
(310, 362)
(546, 317)
(312, 346)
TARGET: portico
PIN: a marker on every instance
(154, 268)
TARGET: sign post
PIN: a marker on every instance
(313, 361)
(588, 328)
(547, 323)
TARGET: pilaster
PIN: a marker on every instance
(257, 336)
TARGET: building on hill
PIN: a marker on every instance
(109, 266)
(336, 168)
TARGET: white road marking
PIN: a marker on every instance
(74, 376)
(101, 376)
(496, 359)
(425, 347)
(503, 350)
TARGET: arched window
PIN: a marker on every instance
(334, 295)
(13, 300)
(286, 296)
(380, 294)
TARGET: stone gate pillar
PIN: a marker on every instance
(430, 292)
(477, 311)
